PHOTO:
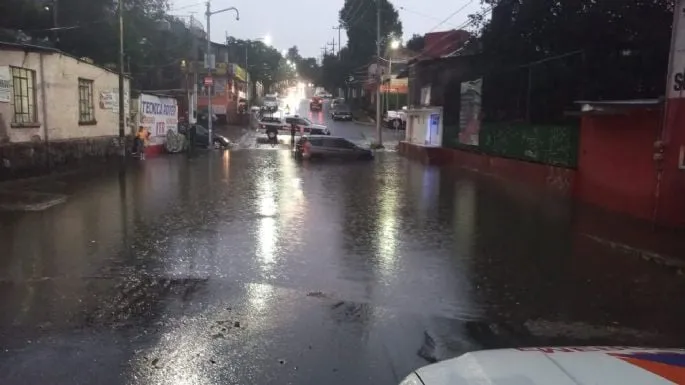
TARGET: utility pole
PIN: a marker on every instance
(248, 94)
(55, 21)
(122, 111)
(379, 133)
(210, 108)
(332, 44)
(192, 104)
(339, 27)
(210, 65)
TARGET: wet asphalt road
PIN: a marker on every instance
(247, 267)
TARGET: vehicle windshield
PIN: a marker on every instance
(532, 192)
(200, 130)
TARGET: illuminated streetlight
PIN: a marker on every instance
(395, 44)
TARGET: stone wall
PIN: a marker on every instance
(20, 160)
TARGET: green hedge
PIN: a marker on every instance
(547, 144)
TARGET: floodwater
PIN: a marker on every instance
(246, 266)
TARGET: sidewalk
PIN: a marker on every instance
(632, 237)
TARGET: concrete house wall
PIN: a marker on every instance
(60, 84)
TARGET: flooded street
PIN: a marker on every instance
(248, 267)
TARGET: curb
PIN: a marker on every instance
(29, 201)
(364, 123)
(668, 261)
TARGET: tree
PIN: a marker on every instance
(416, 43)
(154, 42)
(622, 48)
(358, 17)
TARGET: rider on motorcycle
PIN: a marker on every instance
(272, 134)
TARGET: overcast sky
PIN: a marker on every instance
(308, 24)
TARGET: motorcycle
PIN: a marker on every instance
(273, 138)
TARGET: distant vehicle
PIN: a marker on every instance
(324, 146)
(316, 104)
(341, 112)
(396, 120)
(271, 103)
(304, 124)
(319, 131)
(267, 121)
(556, 365)
(337, 101)
(202, 136)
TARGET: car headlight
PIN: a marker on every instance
(412, 379)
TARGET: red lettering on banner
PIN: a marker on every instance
(159, 129)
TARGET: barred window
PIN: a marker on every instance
(24, 87)
(86, 109)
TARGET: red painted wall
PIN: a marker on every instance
(553, 178)
(616, 169)
(671, 205)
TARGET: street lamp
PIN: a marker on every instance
(394, 44)
(210, 108)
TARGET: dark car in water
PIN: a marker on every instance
(325, 146)
(201, 136)
(341, 112)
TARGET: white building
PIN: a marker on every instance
(47, 94)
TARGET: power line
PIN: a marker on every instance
(353, 11)
(422, 14)
(447, 35)
(186, 6)
(451, 15)
(353, 21)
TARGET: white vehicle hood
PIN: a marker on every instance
(313, 125)
(560, 366)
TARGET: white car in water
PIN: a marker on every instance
(582, 365)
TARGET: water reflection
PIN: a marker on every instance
(388, 234)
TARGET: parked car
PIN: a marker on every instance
(325, 146)
(202, 136)
(304, 125)
(341, 112)
(396, 120)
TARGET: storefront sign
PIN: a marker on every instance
(676, 80)
(239, 72)
(109, 100)
(158, 115)
(469, 118)
(5, 84)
